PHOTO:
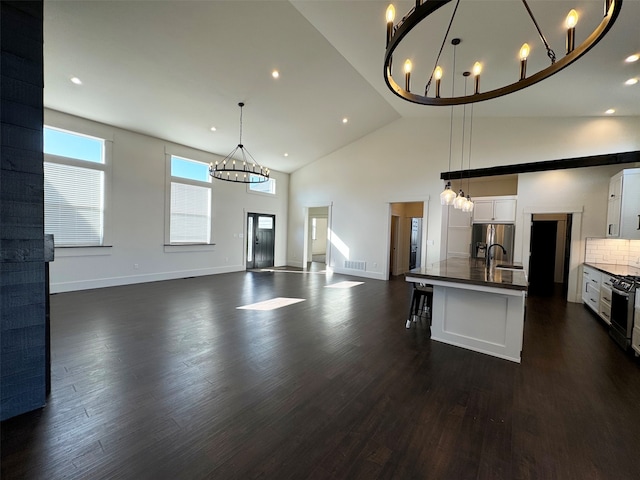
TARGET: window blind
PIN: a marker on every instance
(74, 204)
(190, 213)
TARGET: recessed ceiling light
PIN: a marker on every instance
(275, 74)
(631, 81)
(610, 111)
(286, 154)
(76, 80)
(345, 120)
(213, 129)
(632, 58)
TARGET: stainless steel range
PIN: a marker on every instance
(623, 294)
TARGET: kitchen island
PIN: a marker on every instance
(475, 308)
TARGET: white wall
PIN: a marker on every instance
(136, 216)
(319, 246)
(403, 161)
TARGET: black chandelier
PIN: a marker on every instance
(424, 8)
(244, 170)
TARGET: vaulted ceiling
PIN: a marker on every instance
(173, 69)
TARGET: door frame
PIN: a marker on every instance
(246, 234)
(306, 247)
(386, 274)
(576, 255)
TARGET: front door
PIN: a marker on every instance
(261, 235)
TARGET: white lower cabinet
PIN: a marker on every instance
(635, 338)
(605, 303)
(591, 288)
(593, 298)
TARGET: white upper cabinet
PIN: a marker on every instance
(614, 207)
(494, 209)
(623, 209)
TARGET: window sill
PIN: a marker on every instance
(82, 251)
(189, 247)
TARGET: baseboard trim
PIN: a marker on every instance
(61, 287)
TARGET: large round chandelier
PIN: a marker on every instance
(396, 32)
(241, 170)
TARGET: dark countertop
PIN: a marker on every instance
(615, 270)
(471, 271)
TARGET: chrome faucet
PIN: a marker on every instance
(488, 256)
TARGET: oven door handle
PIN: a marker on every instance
(619, 292)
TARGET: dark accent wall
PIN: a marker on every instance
(22, 267)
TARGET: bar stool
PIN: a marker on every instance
(421, 300)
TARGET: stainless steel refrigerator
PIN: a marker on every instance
(485, 234)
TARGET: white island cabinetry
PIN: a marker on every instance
(474, 308)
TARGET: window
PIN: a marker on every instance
(190, 210)
(75, 167)
(265, 187)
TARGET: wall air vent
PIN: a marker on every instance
(353, 265)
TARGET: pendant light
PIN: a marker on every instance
(461, 200)
(249, 172)
(448, 196)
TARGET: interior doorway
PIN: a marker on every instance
(407, 237)
(261, 240)
(317, 241)
(319, 225)
(415, 257)
(549, 254)
(393, 244)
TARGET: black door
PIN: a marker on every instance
(542, 261)
(261, 235)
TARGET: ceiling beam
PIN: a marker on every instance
(578, 162)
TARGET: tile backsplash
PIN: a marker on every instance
(613, 250)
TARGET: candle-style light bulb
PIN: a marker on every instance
(437, 74)
(407, 74)
(391, 15)
(571, 21)
(476, 70)
(524, 54)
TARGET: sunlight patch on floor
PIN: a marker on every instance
(344, 284)
(272, 304)
(273, 270)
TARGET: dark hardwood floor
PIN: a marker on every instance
(169, 380)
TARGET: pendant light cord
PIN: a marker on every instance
(453, 89)
(470, 139)
(464, 121)
(240, 105)
(444, 40)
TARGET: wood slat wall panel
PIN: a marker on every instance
(22, 267)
